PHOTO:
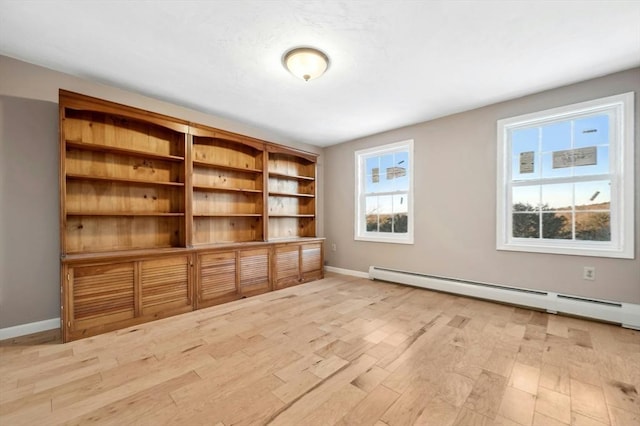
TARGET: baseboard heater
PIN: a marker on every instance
(625, 314)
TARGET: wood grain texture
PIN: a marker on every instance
(340, 351)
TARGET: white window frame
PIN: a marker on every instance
(361, 156)
(621, 172)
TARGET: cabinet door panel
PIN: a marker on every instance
(311, 258)
(165, 284)
(287, 266)
(101, 294)
(254, 271)
(217, 276)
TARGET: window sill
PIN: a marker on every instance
(546, 248)
(372, 239)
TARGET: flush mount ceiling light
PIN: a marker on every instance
(306, 63)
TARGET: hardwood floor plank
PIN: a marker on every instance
(335, 407)
(137, 406)
(311, 400)
(588, 400)
(298, 385)
(410, 405)
(517, 406)
(554, 404)
(370, 408)
(487, 394)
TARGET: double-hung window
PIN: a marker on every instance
(566, 180)
(384, 193)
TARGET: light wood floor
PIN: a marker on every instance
(342, 351)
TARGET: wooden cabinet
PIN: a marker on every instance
(159, 216)
(296, 263)
(292, 194)
(101, 295)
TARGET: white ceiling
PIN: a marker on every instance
(393, 63)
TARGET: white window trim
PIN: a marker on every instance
(622, 200)
(360, 233)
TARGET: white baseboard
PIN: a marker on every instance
(350, 272)
(625, 314)
(25, 329)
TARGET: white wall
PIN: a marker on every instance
(455, 198)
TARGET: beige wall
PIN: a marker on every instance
(29, 234)
(455, 197)
(29, 243)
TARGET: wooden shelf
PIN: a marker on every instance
(287, 194)
(227, 215)
(217, 188)
(124, 214)
(121, 151)
(122, 180)
(225, 167)
(295, 177)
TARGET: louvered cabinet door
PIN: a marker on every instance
(165, 286)
(217, 276)
(311, 261)
(286, 266)
(254, 271)
(98, 298)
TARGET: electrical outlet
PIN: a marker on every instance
(589, 273)
(334, 247)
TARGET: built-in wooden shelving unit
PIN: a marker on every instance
(160, 216)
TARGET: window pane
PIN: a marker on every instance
(593, 195)
(525, 157)
(400, 171)
(557, 197)
(601, 166)
(400, 223)
(372, 163)
(556, 137)
(372, 175)
(525, 165)
(557, 225)
(525, 198)
(371, 213)
(591, 131)
(386, 162)
(400, 203)
(385, 204)
(386, 223)
(593, 226)
(526, 225)
(372, 184)
(547, 167)
(524, 140)
(385, 213)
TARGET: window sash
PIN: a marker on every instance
(361, 158)
(619, 110)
